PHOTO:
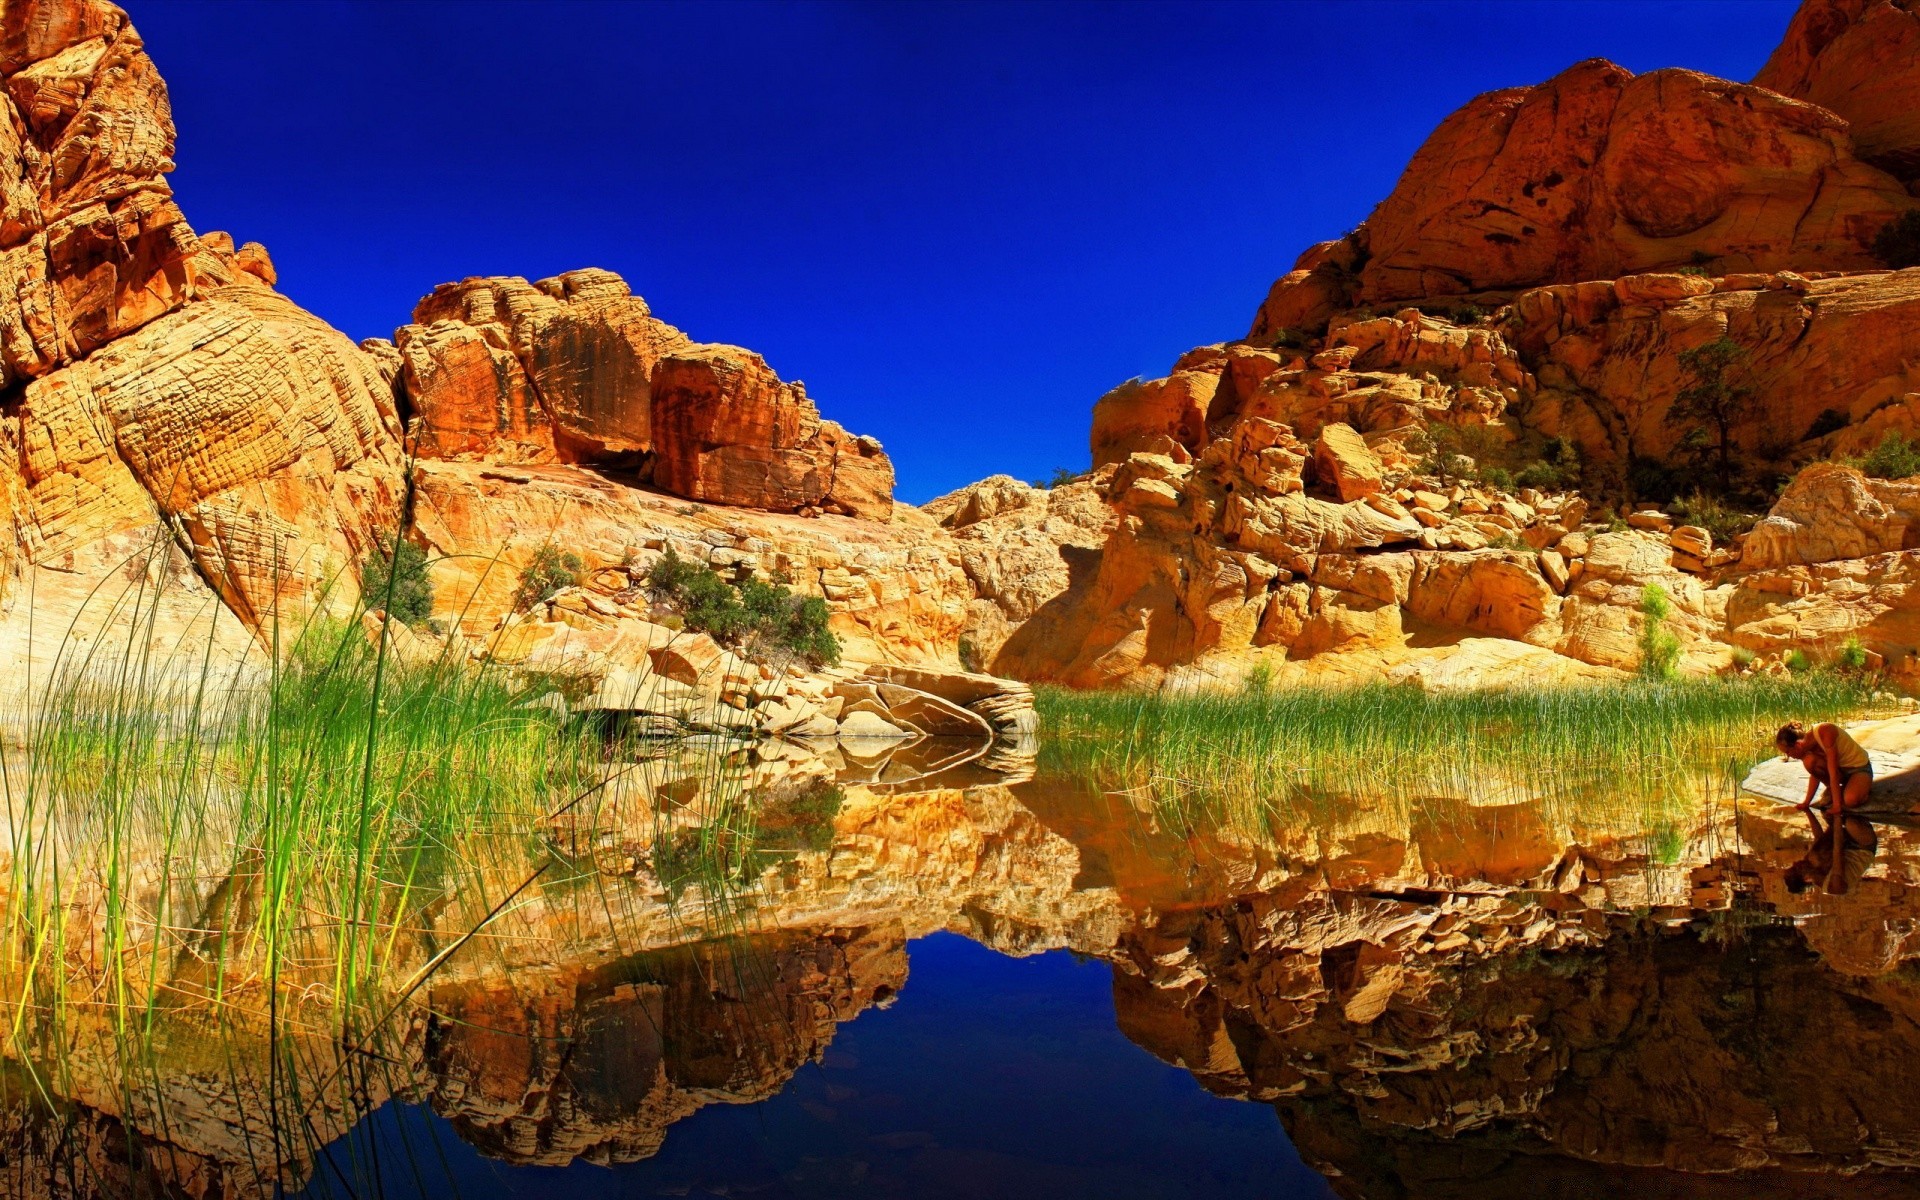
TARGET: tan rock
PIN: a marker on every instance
(1344, 463)
(1833, 512)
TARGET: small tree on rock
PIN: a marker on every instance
(1898, 242)
(1716, 397)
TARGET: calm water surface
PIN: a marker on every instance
(959, 981)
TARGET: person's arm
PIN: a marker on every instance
(1813, 787)
(1837, 873)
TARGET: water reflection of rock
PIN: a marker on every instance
(1441, 998)
(1464, 1002)
(596, 1063)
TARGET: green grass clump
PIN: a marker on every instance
(397, 581)
(1659, 645)
(760, 614)
(1648, 742)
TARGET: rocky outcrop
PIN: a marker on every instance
(1599, 173)
(1026, 551)
(177, 438)
(576, 369)
(1861, 60)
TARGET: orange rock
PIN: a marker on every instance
(1597, 173)
(1343, 462)
(470, 396)
(1861, 59)
(91, 244)
(727, 430)
(1134, 415)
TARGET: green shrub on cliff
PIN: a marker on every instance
(549, 572)
(397, 582)
(1896, 457)
(760, 612)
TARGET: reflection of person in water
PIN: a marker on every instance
(1835, 761)
(1849, 836)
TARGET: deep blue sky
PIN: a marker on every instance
(958, 223)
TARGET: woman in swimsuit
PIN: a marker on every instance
(1834, 760)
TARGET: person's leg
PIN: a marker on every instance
(1853, 792)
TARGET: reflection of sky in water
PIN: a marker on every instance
(988, 1077)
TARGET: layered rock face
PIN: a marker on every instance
(1861, 60)
(180, 445)
(576, 369)
(1544, 279)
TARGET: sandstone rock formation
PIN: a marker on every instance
(1303, 501)
(178, 439)
(1861, 60)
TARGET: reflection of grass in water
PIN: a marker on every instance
(1641, 750)
(745, 834)
(268, 862)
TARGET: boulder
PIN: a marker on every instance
(1832, 512)
(729, 431)
(471, 397)
(1343, 462)
(1598, 173)
(688, 659)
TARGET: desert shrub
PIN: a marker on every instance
(1061, 476)
(1498, 477)
(1291, 339)
(1712, 514)
(1898, 242)
(1452, 451)
(1690, 269)
(1896, 457)
(1651, 479)
(541, 579)
(1659, 646)
(1798, 662)
(1742, 657)
(1852, 656)
(397, 582)
(1558, 466)
(765, 613)
(970, 655)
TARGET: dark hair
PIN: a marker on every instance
(1797, 877)
(1790, 734)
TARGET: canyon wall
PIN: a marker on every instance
(1333, 496)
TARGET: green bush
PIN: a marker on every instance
(763, 612)
(549, 572)
(1742, 657)
(1853, 655)
(1659, 647)
(1498, 477)
(398, 583)
(1713, 515)
(1895, 457)
(1898, 242)
(1798, 662)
